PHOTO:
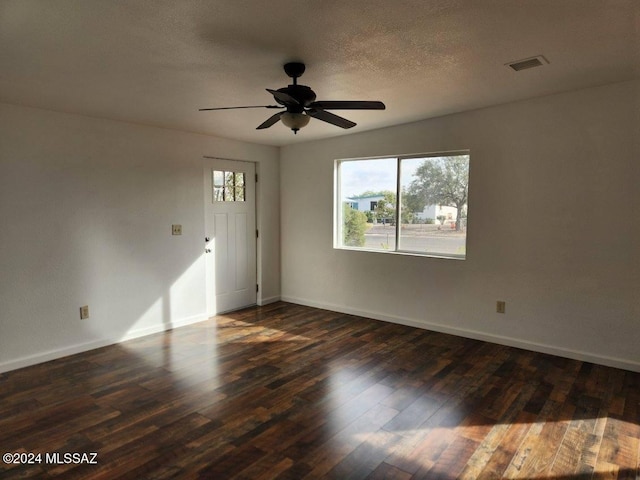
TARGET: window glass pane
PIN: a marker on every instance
(239, 176)
(218, 185)
(218, 178)
(239, 194)
(228, 194)
(367, 191)
(434, 203)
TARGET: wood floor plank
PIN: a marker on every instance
(384, 471)
(286, 391)
(493, 458)
(532, 461)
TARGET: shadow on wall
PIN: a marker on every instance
(164, 287)
(112, 253)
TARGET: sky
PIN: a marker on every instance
(380, 174)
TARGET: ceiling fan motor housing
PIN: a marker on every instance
(303, 94)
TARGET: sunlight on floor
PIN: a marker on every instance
(546, 450)
(236, 331)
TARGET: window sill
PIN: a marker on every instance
(444, 256)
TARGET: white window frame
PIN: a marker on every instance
(337, 204)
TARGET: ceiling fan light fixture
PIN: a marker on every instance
(295, 121)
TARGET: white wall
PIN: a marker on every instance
(571, 282)
(86, 207)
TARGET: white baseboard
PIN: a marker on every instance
(143, 332)
(268, 300)
(508, 341)
(84, 347)
(500, 340)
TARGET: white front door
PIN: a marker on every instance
(230, 234)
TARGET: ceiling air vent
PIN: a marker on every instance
(528, 63)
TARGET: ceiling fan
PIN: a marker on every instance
(300, 105)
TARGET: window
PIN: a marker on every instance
(419, 204)
(228, 186)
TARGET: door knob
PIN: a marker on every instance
(207, 239)
(207, 250)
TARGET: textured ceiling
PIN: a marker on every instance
(155, 62)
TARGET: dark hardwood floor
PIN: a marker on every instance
(286, 391)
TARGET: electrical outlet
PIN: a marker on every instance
(84, 312)
(500, 306)
(176, 229)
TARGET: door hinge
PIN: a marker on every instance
(257, 288)
(257, 234)
(256, 178)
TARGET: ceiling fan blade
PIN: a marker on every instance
(270, 121)
(233, 108)
(283, 97)
(348, 105)
(330, 118)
